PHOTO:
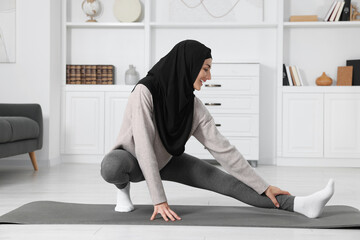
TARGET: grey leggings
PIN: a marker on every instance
(120, 167)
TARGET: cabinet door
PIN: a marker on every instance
(115, 104)
(84, 123)
(342, 125)
(302, 125)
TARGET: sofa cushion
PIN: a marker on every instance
(17, 128)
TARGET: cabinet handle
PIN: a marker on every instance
(212, 104)
(218, 125)
(212, 85)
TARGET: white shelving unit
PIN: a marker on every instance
(315, 47)
(309, 130)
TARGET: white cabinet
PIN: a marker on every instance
(93, 118)
(115, 104)
(342, 125)
(232, 98)
(321, 128)
(84, 121)
(303, 125)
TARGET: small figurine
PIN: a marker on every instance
(354, 13)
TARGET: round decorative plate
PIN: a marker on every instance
(127, 10)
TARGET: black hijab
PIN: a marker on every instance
(170, 82)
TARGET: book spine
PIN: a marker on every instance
(330, 12)
(292, 75)
(339, 12)
(299, 75)
(67, 74)
(345, 16)
(98, 74)
(289, 76)
(103, 74)
(93, 74)
(110, 74)
(333, 15)
(87, 74)
(296, 75)
(77, 74)
(285, 77)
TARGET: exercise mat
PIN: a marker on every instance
(49, 212)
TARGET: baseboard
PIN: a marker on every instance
(318, 162)
(82, 158)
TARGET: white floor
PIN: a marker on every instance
(82, 183)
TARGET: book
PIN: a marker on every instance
(356, 71)
(300, 77)
(339, 12)
(291, 83)
(292, 73)
(327, 17)
(296, 75)
(285, 77)
(345, 16)
(333, 14)
(304, 18)
(89, 74)
(344, 76)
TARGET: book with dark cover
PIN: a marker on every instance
(356, 71)
(345, 16)
(285, 77)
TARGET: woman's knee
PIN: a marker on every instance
(114, 166)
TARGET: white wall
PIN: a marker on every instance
(34, 78)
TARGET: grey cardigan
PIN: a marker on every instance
(139, 136)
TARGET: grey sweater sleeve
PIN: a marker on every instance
(225, 153)
(144, 134)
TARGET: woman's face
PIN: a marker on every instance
(204, 74)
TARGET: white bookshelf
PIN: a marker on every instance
(271, 42)
(213, 25)
(320, 24)
(316, 47)
(103, 25)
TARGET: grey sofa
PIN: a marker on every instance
(21, 130)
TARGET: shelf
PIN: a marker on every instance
(213, 25)
(321, 24)
(320, 89)
(104, 25)
(98, 88)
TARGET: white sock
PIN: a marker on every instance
(313, 205)
(123, 203)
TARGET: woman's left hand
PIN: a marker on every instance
(273, 191)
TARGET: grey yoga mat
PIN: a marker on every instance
(48, 212)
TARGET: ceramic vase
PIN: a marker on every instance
(324, 80)
(131, 76)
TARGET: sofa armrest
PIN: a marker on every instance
(30, 110)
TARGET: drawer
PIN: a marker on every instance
(237, 125)
(231, 85)
(248, 147)
(241, 104)
(235, 69)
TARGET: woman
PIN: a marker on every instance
(161, 115)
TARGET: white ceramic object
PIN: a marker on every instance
(127, 10)
(131, 76)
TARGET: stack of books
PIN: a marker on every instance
(339, 11)
(292, 76)
(89, 74)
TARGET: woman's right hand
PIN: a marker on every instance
(165, 211)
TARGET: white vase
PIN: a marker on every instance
(131, 76)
